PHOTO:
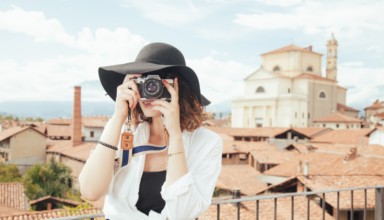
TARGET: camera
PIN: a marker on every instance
(151, 87)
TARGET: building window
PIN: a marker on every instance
(289, 90)
(302, 115)
(323, 125)
(322, 95)
(295, 114)
(337, 125)
(276, 69)
(309, 115)
(92, 134)
(260, 90)
(309, 69)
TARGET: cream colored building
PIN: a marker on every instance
(288, 90)
(22, 146)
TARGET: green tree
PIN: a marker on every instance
(52, 179)
(9, 173)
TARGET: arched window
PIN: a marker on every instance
(322, 95)
(309, 69)
(260, 90)
(276, 68)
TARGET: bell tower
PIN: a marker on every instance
(331, 72)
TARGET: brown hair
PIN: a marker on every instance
(191, 110)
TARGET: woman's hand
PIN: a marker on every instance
(127, 96)
(170, 110)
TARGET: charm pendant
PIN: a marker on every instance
(127, 140)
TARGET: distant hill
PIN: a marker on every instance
(53, 109)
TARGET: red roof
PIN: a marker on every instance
(338, 117)
(375, 105)
(55, 213)
(15, 130)
(344, 136)
(242, 177)
(341, 107)
(292, 47)
(312, 76)
(79, 152)
(12, 195)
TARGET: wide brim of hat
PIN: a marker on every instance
(113, 76)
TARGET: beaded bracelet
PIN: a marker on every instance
(107, 145)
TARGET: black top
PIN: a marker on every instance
(149, 192)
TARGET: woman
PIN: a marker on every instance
(173, 167)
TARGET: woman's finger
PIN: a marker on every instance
(172, 91)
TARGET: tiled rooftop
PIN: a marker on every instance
(45, 215)
(337, 117)
(330, 165)
(344, 136)
(12, 195)
(80, 152)
(273, 156)
(242, 177)
(316, 183)
(291, 47)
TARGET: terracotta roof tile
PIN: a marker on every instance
(59, 121)
(66, 201)
(291, 47)
(364, 150)
(338, 117)
(317, 183)
(266, 210)
(273, 156)
(12, 195)
(312, 76)
(95, 121)
(245, 147)
(58, 130)
(56, 213)
(256, 132)
(80, 152)
(329, 164)
(312, 131)
(242, 177)
(341, 107)
(344, 136)
(375, 105)
(15, 130)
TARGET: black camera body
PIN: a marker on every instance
(151, 87)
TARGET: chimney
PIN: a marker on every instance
(236, 194)
(352, 154)
(76, 120)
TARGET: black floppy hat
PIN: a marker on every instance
(151, 58)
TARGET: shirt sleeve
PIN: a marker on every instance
(191, 194)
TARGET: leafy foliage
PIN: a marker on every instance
(9, 173)
(52, 179)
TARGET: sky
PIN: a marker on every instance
(47, 47)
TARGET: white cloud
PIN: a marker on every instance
(281, 3)
(219, 80)
(364, 83)
(53, 78)
(34, 24)
(351, 18)
(176, 13)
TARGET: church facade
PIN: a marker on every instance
(288, 90)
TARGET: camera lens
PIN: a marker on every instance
(153, 88)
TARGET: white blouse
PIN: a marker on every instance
(186, 198)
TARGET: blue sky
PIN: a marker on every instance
(50, 46)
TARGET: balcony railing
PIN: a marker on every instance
(314, 200)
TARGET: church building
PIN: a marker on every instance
(288, 90)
